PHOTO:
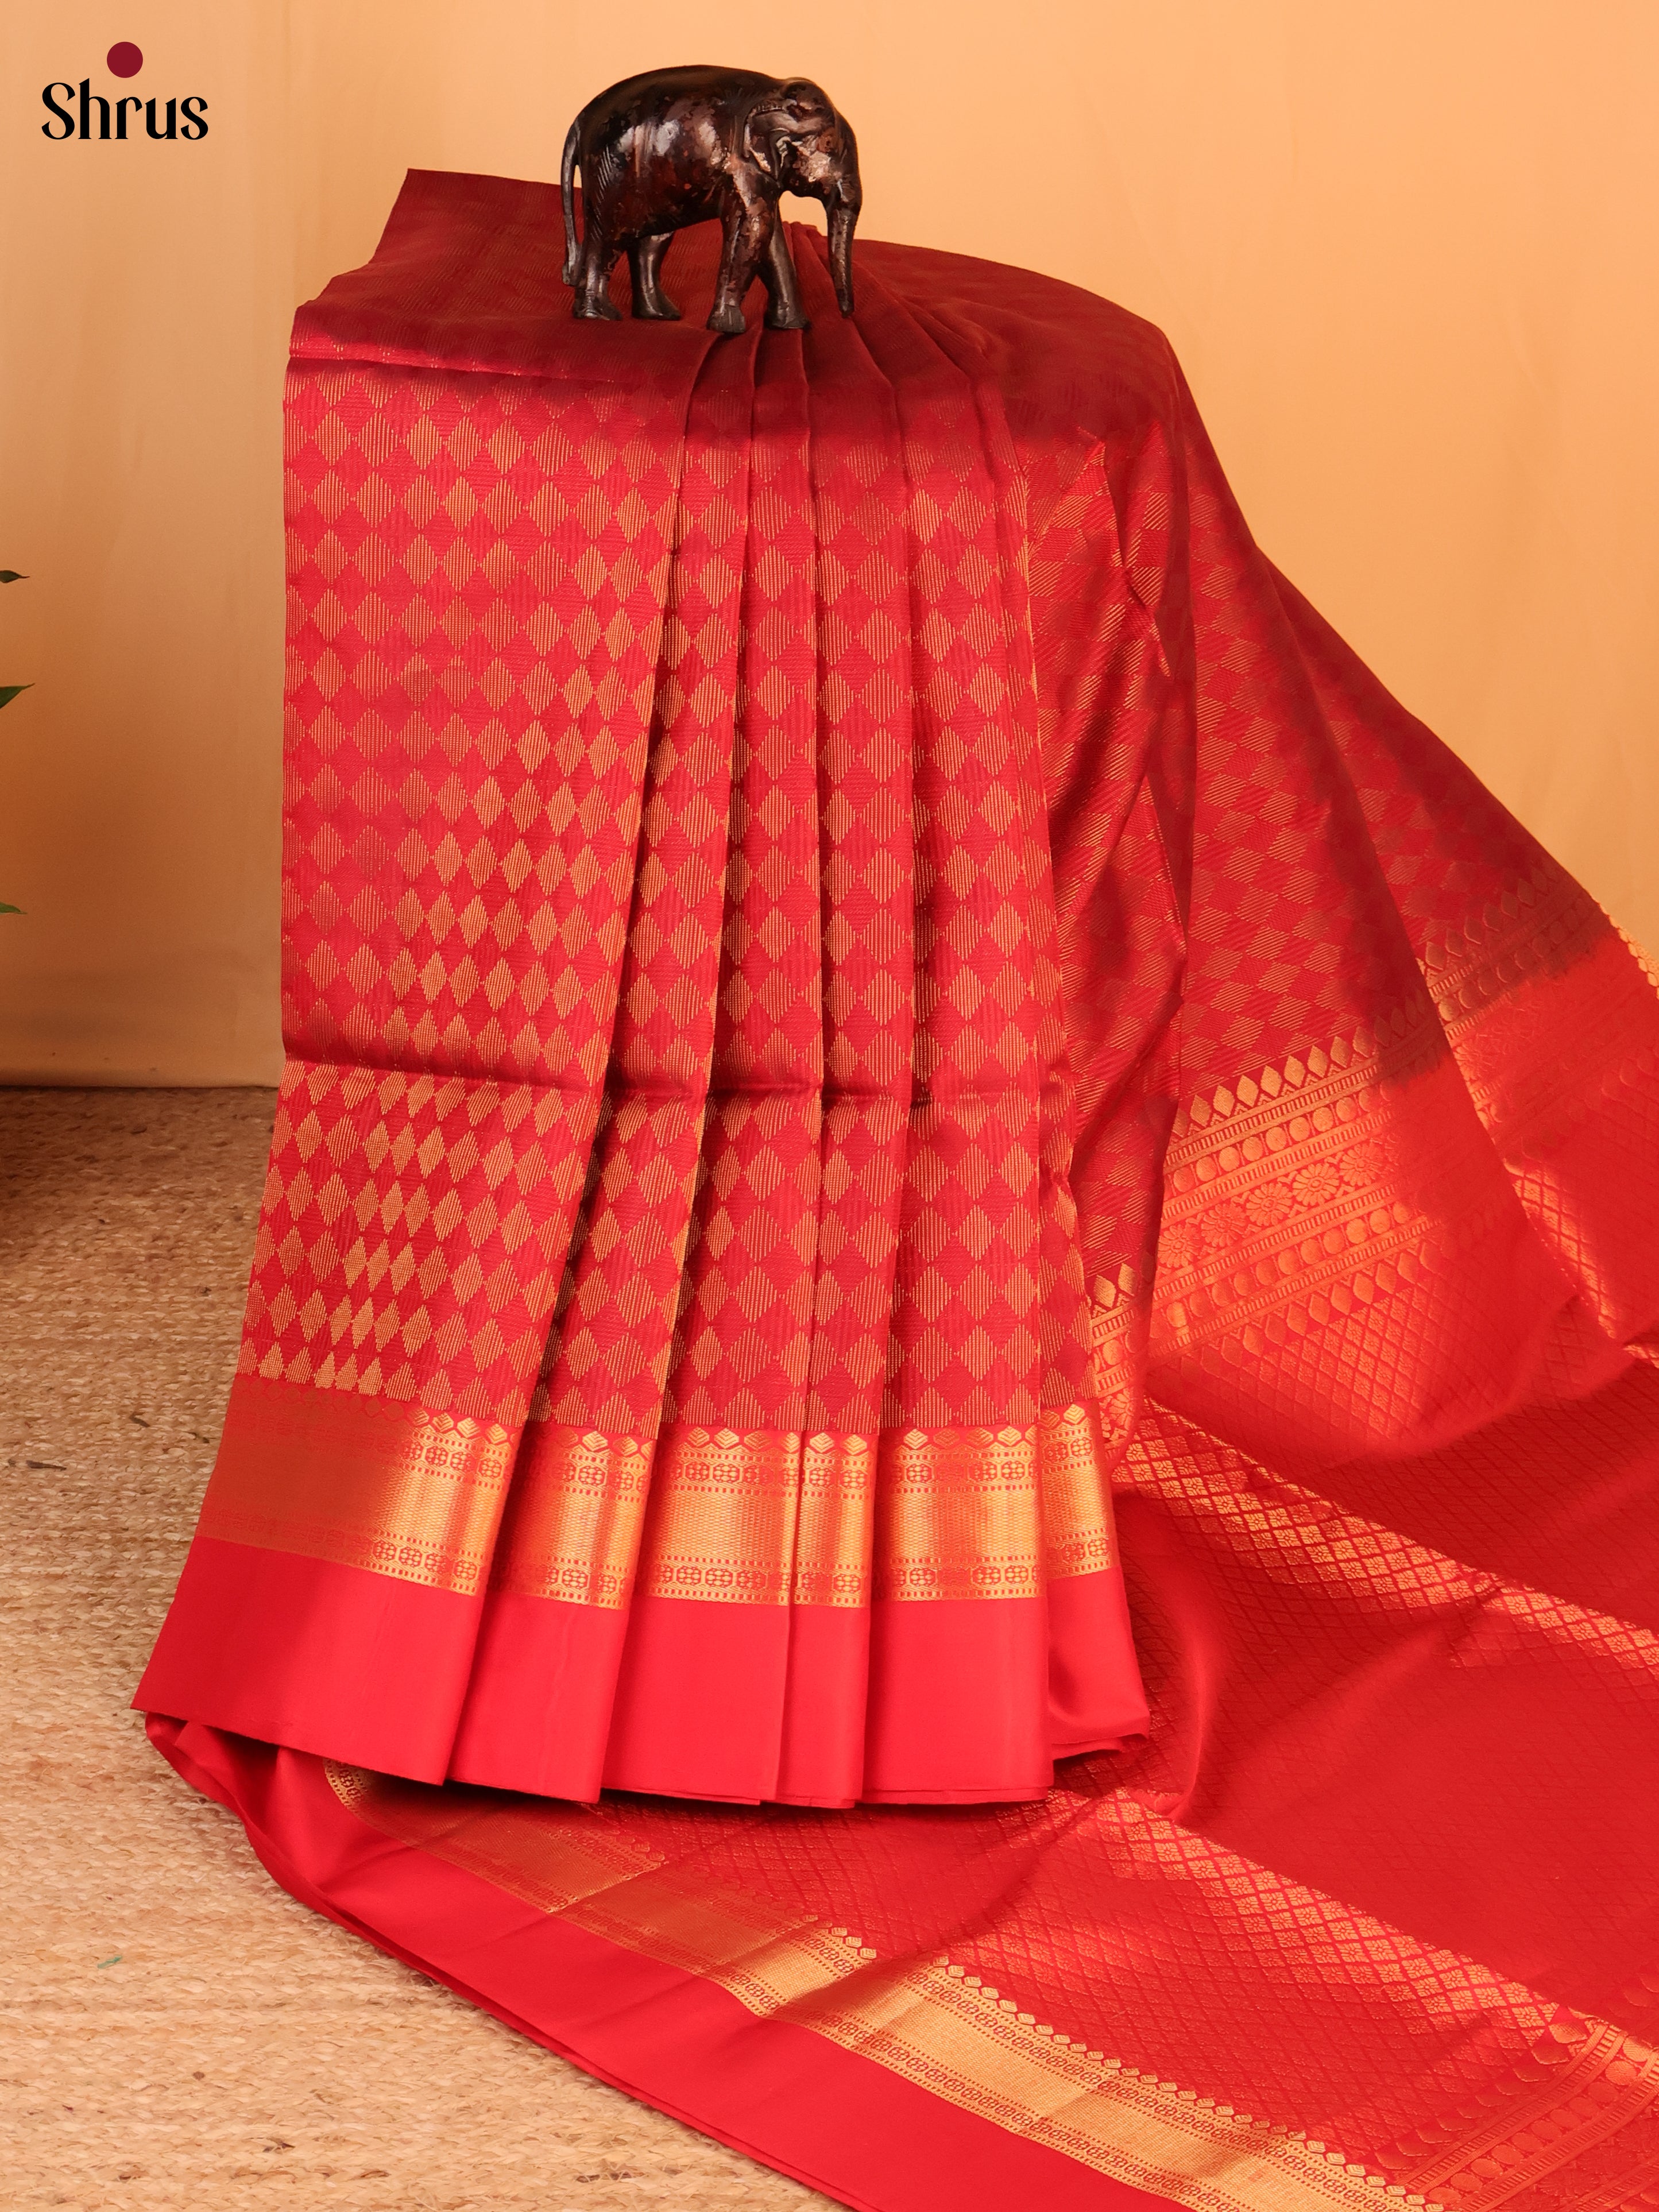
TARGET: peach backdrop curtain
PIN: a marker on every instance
(1409, 255)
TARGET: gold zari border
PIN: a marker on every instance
(768, 1518)
(1542, 925)
(773, 1518)
(360, 1481)
(763, 1519)
(1283, 1190)
(1317, 1213)
(941, 2026)
(572, 1526)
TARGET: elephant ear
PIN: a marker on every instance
(791, 111)
(766, 140)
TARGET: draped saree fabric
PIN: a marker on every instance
(865, 980)
(671, 914)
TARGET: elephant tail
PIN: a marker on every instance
(567, 188)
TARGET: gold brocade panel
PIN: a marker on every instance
(766, 1518)
(362, 1481)
(1560, 2089)
(1555, 1024)
(773, 1518)
(1344, 1263)
(1357, 1244)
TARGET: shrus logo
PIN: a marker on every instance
(179, 119)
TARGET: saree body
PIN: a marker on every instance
(672, 1358)
(1345, 1234)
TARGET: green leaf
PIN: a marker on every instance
(13, 576)
(4, 908)
(9, 691)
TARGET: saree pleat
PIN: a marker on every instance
(864, 805)
(593, 1470)
(705, 1681)
(807, 1496)
(1010, 1026)
(451, 961)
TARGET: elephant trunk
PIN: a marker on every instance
(843, 218)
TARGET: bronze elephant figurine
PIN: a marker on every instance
(680, 146)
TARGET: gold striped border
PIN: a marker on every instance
(776, 1518)
(726, 1522)
(1541, 924)
(1074, 1464)
(363, 1482)
(945, 2029)
(769, 1517)
(572, 1526)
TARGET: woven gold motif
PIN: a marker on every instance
(1288, 1185)
(937, 2023)
(1073, 1459)
(763, 1519)
(959, 1513)
(1542, 925)
(1117, 1351)
(572, 1526)
(363, 1482)
(1561, 1067)
(766, 1518)
(833, 1532)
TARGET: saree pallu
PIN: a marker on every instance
(870, 993)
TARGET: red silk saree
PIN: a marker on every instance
(889, 1040)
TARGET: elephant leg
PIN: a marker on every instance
(593, 302)
(750, 223)
(783, 308)
(645, 266)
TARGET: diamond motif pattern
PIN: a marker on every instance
(606, 1358)
(477, 572)
(1374, 1901)
(477, 575)
(410, 1236)
(708, 790)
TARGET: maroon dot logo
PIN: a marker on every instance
(123, 59)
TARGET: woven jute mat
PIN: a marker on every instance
(174, 2030)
